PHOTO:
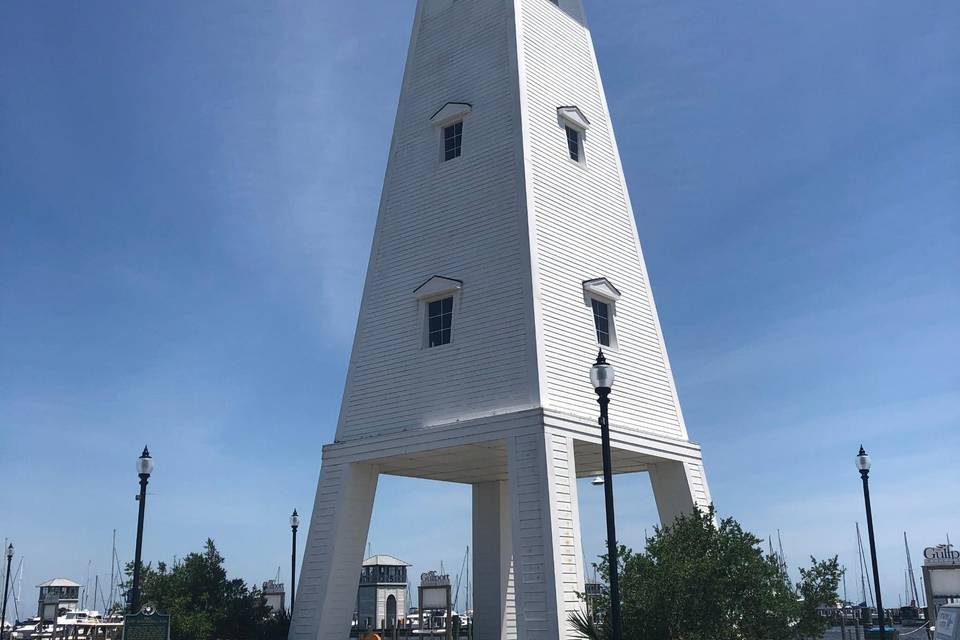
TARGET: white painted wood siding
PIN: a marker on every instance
(514, 219)
(463, 219)
(565, 523)
(334, 551)
(584, 228)
(533, 551)
(698, 484)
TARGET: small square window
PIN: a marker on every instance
(601, 321)
(452, 136)
(439, 321)
(573, 144)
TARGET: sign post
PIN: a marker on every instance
(434, 593)
(146, 625)
(941, 577)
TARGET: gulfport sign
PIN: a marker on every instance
(941, 554)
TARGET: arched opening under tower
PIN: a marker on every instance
(423, 525)
(636, 516)
(512, 493)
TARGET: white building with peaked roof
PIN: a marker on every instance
(57, 596)
(382, 593)
(505, 254)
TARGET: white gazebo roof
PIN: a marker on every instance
(58, 582)
(382, 560)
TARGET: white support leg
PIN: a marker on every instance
(677, 487)
(565, 524)
(546, 540)
(327, 589)
(494, 617)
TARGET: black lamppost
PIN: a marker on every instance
(601, 375)
(144, 468)
(6, 584)
(294, 524)
(863, 465)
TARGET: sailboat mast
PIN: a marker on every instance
(113, 555)
(783, 560)
(843, 574)
(913, 577)
(86, 587)
(19, 589)
(864, 572)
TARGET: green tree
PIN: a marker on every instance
(699, 579)
(817, 588)
(205, 604)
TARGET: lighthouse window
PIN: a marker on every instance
(573, 144)
(601, 320)
(439, 321)
(452, 136)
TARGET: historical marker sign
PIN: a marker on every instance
(146, 625)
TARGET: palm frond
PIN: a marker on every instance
(587, 628)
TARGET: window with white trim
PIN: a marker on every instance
(439, 321)
(448, 121)
(452, 137)
(574, 124)
(438, 304)
(573, 144)
(601, 297)
(601, 321)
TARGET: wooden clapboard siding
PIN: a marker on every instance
(585, 229)
(533, 548)
(568, 567)
(463, 219)
(513, 218)
(507, 405)
(698, 484)
(333, 551)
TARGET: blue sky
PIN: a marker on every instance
(187, 198)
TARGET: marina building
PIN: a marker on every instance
(57, 596)
(382, 594)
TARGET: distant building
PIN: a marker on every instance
(382, 594)
(274, 594)
(56, 597)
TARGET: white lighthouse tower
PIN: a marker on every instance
(505, 254)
